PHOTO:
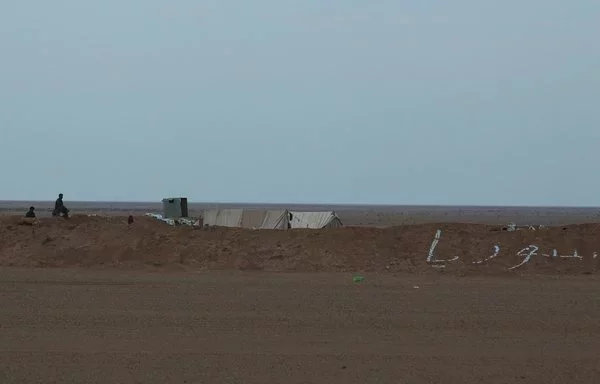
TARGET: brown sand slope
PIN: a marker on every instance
(108, 241)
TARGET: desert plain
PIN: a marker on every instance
(93, 299)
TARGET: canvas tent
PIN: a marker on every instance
(314, 220)
(247, 218)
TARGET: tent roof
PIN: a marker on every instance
(247, 218)
(314, 220)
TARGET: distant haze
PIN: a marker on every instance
(387, 102)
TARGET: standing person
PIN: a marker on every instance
(30, 214)
(59, 207)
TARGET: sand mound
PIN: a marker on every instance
(473, 249)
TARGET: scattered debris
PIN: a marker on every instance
(181, 221)
(358, 279)
(511, 227)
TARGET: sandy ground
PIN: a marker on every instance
(84, 326)
(474, 249)
(151, 303)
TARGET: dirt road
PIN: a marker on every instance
(76, 326)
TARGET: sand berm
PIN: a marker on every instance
(109, 242)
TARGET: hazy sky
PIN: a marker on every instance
(337, 101)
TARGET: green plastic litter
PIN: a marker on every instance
(358, 279)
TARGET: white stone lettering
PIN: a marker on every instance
(573, 256)
(528, 252)
(496, 252)
(434, 244)
(554, 254)
(431, 256)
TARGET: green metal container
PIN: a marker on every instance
(175, 207)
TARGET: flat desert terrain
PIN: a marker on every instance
(94, 299)
(90, 326)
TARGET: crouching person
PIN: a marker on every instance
(59, 208)
(29, 218)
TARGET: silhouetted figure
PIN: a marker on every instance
(59, 208)
(30, 214)
(130, 220)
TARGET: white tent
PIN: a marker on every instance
(247, 218)
(314, 220)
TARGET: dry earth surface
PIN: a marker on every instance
(95, 300)
(84, 241)
(87, 326)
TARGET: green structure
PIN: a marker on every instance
(175, 207)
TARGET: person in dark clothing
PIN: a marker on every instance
(59, 208)
(30, 214)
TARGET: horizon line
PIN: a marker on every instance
(311, 203)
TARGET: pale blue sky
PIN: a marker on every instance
(401, 102)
